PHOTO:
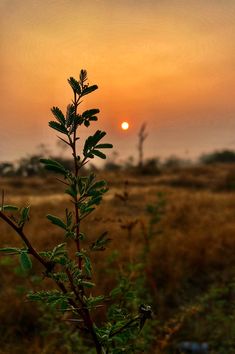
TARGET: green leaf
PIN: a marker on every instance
(87, 284)
(82, 236)
(58, 115)
(99, 154)
(56, 221)
(53, 297)
(116, 291)
(78, 120)
(69, 217)
(101, 243)
(54, 166)
(59, 254)
(90, 112)
(95, 200)
(25, 261)
(97, 185)
(90, 155)
(9, 208)
(97, 137)
(71, 190)
(87, 266)
(88, 144)
(83, 75)
(59, 249)
(104, 146)
(89, 89)
(25, 214)
(10, 249)
(70, 114)
(60, 128)
(51, 162)
(75, 85)
(86, 210)
(56, 169)
(93, 301)
(64, 305)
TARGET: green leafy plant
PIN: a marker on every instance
(72, 271)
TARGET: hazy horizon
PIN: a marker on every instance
(167, 63)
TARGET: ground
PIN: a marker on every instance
(190, 263)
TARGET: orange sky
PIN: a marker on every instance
(170, 63)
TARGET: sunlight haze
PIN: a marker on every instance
(167, 63)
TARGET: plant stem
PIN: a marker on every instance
(86, 314)
(34, 253)
(76, 169)
(24, 238)
(133, 320)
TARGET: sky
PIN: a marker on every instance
(169, 63)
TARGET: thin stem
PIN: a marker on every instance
(85, 314)
(87, 320)
(3, 195)
(76, 169)
(72, 144)
(73, 286)
(133, 320)
(34, 253)
(76, 100)
(24, 238)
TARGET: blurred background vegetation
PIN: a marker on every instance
(181, 212)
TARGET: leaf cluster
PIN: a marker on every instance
(24, 258)
(20, 215)
(92, 148)
(51, 297)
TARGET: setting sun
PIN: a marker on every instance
(125, 125)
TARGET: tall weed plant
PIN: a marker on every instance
(72, 272)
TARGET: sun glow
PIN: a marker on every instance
(125, 125)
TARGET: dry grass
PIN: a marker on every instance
(194, 249)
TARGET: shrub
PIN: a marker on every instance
(71, 270)
(223, 156)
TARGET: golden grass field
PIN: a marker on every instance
(192, 253)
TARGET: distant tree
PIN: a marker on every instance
(29, 166)
(223, 156)
(111, 166)
(151, 166)
(174, 162)
(142, 135)
(129, 163)
(112, 163)
(6, 169)
(66, 161)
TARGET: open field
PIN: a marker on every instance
(190, 265)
